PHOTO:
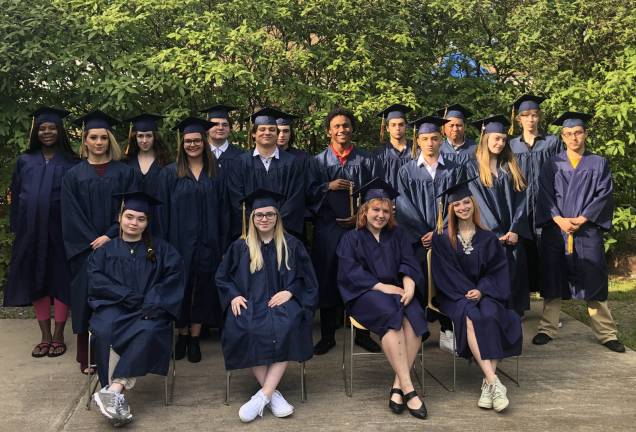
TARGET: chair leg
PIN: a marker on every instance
(351, 338)
(344, 352)
(454, 358)
(89, 376)
(303, 388)
(228, 376)
(171, 377)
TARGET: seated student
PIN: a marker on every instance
(136, 285)
(470, 272)
(377, 276)
(268, 292)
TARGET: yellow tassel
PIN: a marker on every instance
(83, 150)
(570, 248)
(249, 134)
(481, 133)
(129, 139)
(414, 144)
(32, 127)
(351, 207)
(511, 130)
(244, 227)
(382, 126)
(445, 112)
(440, 219)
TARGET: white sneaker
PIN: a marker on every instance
(279, 406)
(446, 341)
(113, 406)
(253, 407)
(499, 399)
(485, 400)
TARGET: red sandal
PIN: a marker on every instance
(43, 350)
(55, 345)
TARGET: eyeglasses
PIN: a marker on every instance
(269, 216)
(196, 141)
(573, 134)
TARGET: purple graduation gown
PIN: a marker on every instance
(38, 265)
(363, 262)
(497, 328)
(124, 288)
(261, 335)
(569, 192)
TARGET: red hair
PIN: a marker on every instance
(361, 221)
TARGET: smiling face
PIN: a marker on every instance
(429, 143)
(145, 140)
(47, 134)
(378, 214)
(574, 138)
(464, 208)
(454, 129)
(496, 143)
(220, 131)
(265, 219)
(340, 130)
(97, 142)
(133, 223)
(265, 135)
(193, 144)
(396, 128)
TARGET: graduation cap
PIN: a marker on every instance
(376, 188)
(425, 125)
(49, 115)
(285, 119)
(137, 201)
(144, 122)
(524, 103)
(218, 111)
(192, 125)
(571, 119)
(454, 193)
(96, 120)
(392, 112)
(266, 116)
(493, 124)
(454, 111)
(258, 199)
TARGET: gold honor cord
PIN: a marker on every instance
(570, 244)
(351, 199)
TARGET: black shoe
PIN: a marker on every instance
(363, 340)
(541, 339)
(615, 345)
(181, 346)
(397, 408)
(324, 345)
(194, 350)
(420, 412)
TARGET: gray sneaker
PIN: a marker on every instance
(499, 398)
(113, 406)
(485, 400)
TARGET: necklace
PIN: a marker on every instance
(132, 246)
(467, 243)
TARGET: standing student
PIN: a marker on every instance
(574, 208)
(191, 220)
(336, 171)
(268, 292)
(147, 154)
(499, 190)
(532, 148)
(397, 151)
(419, 182)
(378, 275)
(135, 290)
(89, 211)
(38, 272)
(456, 147)
(470, 272)
(266, 167)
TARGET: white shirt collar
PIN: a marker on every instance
(421, 161)
(275, 155)
(218, 151)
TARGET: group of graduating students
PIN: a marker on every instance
(217, 239)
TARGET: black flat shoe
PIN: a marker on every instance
(541, 339)
(420, 412)
(194, 350)
(397, 408)
(181, 346)
(363, 340)
(324, 346)
(615, 345)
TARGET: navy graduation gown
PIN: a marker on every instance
(416, 206)
(284, 176)
(502, 210)
(89, 210)
(124, 289)
(392, 160)
(224, 166)
(569, 192)
(361, 167)
(150, 184)
(461, 156)
(38, 266)
(497, 328)
(261, 335)
(363, 262)
(191, 220)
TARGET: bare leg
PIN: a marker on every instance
(394, 347)
(412, 348)
(260, 372)
(195, 330)
(275, 373)
(45, 329)
(485, 365)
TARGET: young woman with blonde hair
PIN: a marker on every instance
(268, 292)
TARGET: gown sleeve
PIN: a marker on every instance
(600, 208)
(519, 223)
(129, 183)
(227, 282)
(547, 207)
(409, 264)
(411, 219)
(301, 281)
(105, 289)
(353, 277)
(494, 278)
(448, 274)
(78, 230)
(16, 186)
(294, 203)
(236, 192)
(165, 296)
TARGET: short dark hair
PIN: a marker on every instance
(339, 111)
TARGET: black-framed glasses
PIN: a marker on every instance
(269, 216)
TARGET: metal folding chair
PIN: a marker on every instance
(352, 354)
(303, 388)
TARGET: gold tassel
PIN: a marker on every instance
(481, 133)
(83, 150)
(32, 127)
(244, 227)
(249, 134)
(414, 144)
(511, 130)
(382, 126)
(440, 219)
(444, 116)
(351, 208)
(129, 139)
(570, 247)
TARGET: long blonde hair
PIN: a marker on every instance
(482, 154)
(253, 241)
(114, 151)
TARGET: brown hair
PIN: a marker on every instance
(162, 154)
(361, 219)
(209, 160)
(453, 222)
(482, 155)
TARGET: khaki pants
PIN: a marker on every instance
(113, 359)
(601, 321)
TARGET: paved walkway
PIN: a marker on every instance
(572, 384)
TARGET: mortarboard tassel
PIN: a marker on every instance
(444, 116)
(481, 133)
(249, 134)
(440, 219)
(129, 139)
(351, 208)
(570, 244)
(244, 224)
(414, 144)
(511, 130)
(83, 149)
(382, 126)
(32, 126)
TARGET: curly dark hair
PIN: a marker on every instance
(339, 111)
